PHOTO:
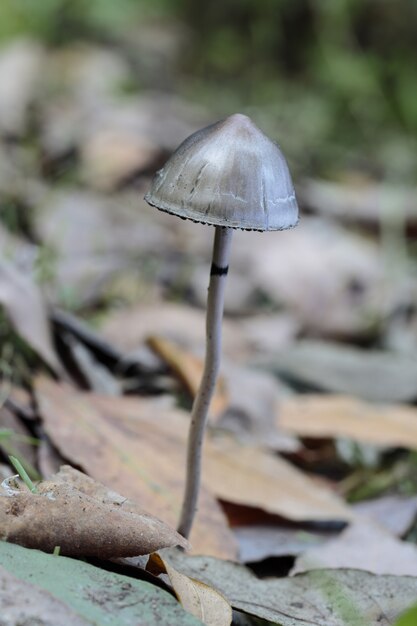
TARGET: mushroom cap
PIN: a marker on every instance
(227, 174)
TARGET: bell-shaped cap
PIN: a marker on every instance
(228, 174)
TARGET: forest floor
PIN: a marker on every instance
(308, 510)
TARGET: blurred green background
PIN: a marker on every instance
(338, 77)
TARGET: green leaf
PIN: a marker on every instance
(324, 597)
(409, 618)
(98, 596)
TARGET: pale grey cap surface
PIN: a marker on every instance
(228, 174)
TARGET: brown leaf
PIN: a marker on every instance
(140, 446)
(364, 546)
(136, 447)
(110, 156)
(249, 475)
(189, 369)
(319, 415)
(130, 328)
(82, 522)
(199, 599)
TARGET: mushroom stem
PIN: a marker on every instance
(215, 305)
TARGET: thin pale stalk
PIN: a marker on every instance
(215, 306)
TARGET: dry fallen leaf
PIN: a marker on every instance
(49, 459)
(395, 513)
(139, 447)
(331, 279)
(20, 401)
(189, 369)
(254, 397)
(364, 546)
(83, 522)
(101, 240)
(320, 415)
(129, 329)
(374, 375)
(196, 597)
(368, 202)
(110, 156)
(316, 598)
(26, 309)
(252, 476)
(261, 541)
(135, 447)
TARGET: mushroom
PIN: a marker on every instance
(227, 175)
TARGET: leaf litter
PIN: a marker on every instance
(322, 597)
(323, 281)
(196, 597)
(366, 546)
(132, 446)
(132, 442)
(18, 295)
(92, 594)
(328, 415)
(81, 517)
(373, 375)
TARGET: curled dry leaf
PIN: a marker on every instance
(189, 369)
(79, 522)
(199, 599)
(320, 415)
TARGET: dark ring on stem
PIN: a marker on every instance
(216, 270)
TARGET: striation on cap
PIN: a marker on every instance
(228, 174)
